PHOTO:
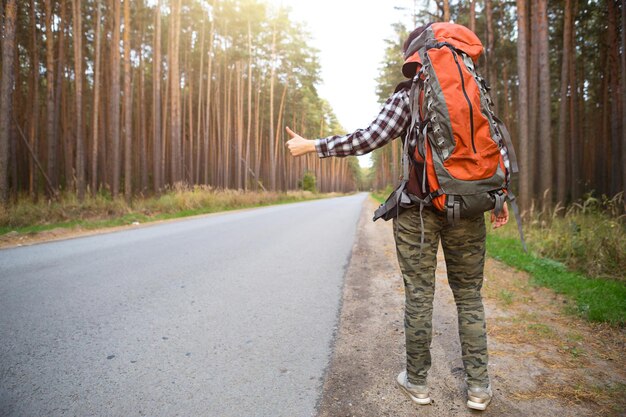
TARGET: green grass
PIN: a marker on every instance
(597, 299)
(381, 195)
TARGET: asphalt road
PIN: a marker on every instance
(223, 315)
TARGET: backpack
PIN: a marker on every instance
(463, 149)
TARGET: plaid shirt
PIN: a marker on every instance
(391, 122)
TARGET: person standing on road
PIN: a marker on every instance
(417, 240)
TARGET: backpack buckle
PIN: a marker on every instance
(453, 210)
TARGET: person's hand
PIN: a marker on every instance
(502, 218)
(298, 145)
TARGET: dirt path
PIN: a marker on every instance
(542, 362)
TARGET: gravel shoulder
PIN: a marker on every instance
(543, 362)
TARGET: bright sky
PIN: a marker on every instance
(349, 35)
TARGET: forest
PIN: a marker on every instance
(557, 71)
(131, 98)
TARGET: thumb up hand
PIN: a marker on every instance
(298, 145)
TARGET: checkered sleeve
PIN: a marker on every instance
(393, 119)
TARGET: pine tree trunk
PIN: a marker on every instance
(174, 78)
(228, 128)
(164, 129)
(33, 184)
(199, 117)
(6, 95)
(143, 134)
(207, 117)
(563, 109)
(522, 108)
(96, 104)
(491, 67)
(156, 103)
(623, 60)
(51, 139)
(128, 107)
(472, 15)
(217, 165)
(114, 100)
(615, 174)
(446, 10)
(257, 134)
(62, 113)
(279, 124)
(575, 147)
(239, 123)
(272, 161)
(78, 88)
(249, 126)
(187, 121)
(545, 140)
(533, 103)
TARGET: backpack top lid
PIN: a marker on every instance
(458, 36)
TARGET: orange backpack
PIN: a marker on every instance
(463, 149)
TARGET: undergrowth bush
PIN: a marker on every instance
(588, 236)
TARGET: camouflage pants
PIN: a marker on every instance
(464, 250)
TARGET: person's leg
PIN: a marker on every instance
(418, 273)
(464, 251)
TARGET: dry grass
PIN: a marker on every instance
(180, 200)
(578, 363)
(609, 399)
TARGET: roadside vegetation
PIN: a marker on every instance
(578, 252)
(101, 210)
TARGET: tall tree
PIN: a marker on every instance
(575, 145)
(533, 102)
(472, 15)
(156, 101)
(128, 106)
(272, 164)
(207, 116)
(33, 184)
(78, 88)
(561, 186)
(174, 79)
(616, 165)
(545, 143)
(51, 139)
(200, 95)
(491, 65)
(61, 136)
(6, 95)
(96, 102)
(114, 99)
(249, 118)
(623, 58)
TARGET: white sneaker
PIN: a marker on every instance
(417, 393)
(478, 398)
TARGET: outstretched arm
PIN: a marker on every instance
(393, 119)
